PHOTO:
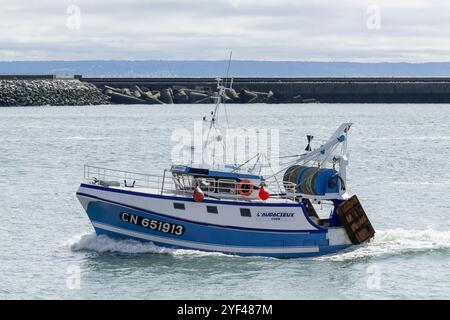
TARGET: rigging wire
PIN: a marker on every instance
(215, 115)
(228, 68)
(244, 163)
(224, 103)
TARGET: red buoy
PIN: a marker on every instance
(199, 196)
(263, 194)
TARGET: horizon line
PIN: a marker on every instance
(235, 60)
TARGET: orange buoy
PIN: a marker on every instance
(198, 196)
(263, 194)
(245, 188)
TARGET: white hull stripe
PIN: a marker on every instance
(203, 246)
(247, 229)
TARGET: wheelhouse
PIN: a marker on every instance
(222, 183)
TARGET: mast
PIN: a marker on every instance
(214, 121)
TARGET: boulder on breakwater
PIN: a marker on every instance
(183, 95)
(167, 96)
(55, 92)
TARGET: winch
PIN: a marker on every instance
(312, 180)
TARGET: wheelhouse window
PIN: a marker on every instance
(182, 181)
(206, 184)
(212, 209)
(189, 182)
(226, 186)
(245, 212)
(176, 180)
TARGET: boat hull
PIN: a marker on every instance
(117, 215)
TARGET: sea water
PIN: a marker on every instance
(399, 168)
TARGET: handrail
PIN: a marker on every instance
(225, 188)
(121, 171)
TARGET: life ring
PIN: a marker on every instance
(245, 188)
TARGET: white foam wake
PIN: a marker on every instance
(103, 243)
(386, 242)
(396, 242)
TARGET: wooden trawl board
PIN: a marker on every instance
(355, 221)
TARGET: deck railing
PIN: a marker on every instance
(179, 184)
(113, 177)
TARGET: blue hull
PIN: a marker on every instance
(121, 221)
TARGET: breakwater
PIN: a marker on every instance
(295, 90)
(46, 90)
(16, 90)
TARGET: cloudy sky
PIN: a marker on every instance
(308, 30)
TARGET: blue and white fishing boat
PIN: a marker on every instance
(234, 209)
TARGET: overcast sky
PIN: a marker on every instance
(308, 30)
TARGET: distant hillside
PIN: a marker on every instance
(154, 68)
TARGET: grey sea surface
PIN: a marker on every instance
(399, 168)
